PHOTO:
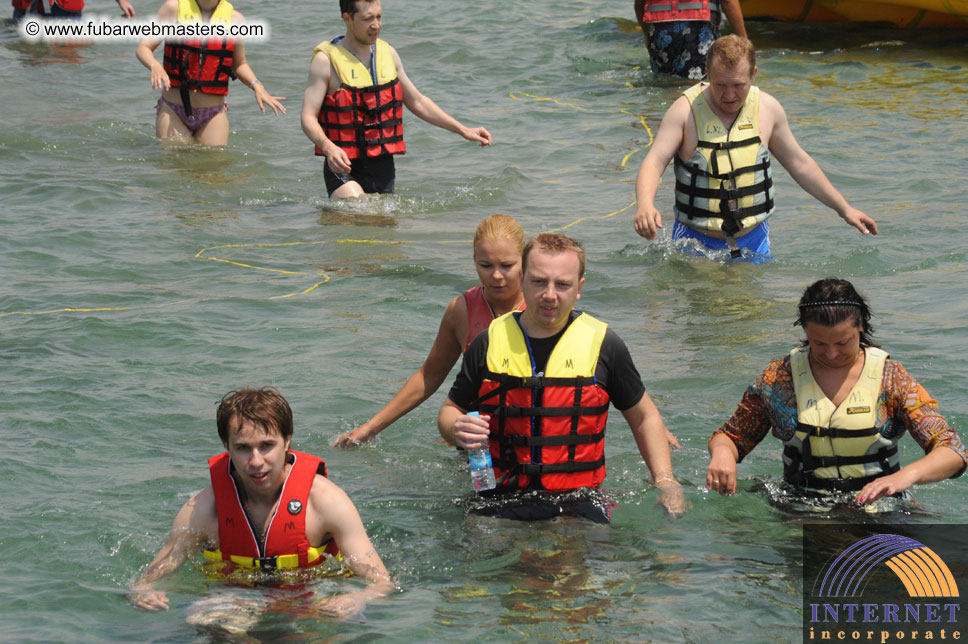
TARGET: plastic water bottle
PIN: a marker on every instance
(482, 472)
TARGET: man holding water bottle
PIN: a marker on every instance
(542, 381)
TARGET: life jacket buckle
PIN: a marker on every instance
(268, 564)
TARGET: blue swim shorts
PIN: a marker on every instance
(755, 244)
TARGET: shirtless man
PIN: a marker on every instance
(299, 518)
(724, 186)
(360, 69)
(192, 104)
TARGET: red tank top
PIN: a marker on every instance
(479, 313)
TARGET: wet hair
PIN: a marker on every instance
(350, 6)
(830, 301)
(499, 227)
(729, 50)
(554, 244)
(265, 407)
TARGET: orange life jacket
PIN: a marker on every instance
(200, 65)
(286, 537)
(364, 116)
(38, 5)
(669, 10)
(547, 429)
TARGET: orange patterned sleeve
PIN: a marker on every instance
(768, 403)
(910, 407)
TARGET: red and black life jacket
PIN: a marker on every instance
(364, 116)
(547, 430)
(200, 65)
(285, 545)
(671, 10)
(37, 6)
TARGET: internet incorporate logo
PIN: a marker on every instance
(879, 588)
(922, 572)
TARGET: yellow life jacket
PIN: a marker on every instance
(838, 447)
(727, 184)
(189, 11)
(352, 72)
(547, 429)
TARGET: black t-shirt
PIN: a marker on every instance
(615, 371)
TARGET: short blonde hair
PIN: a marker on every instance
(554, 244)
(729, 50)
(499, 227)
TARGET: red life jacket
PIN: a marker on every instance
(479, 313)
(70, 5)
(287, 528)
(364, 116)
(206, 66)
(547, 431)
(669, 10)
(67, 5)
(197, 65)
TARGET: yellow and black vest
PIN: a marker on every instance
(838, 448)
(727, 184)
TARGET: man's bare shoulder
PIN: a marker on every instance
(769, 101)
(324, 489)
(320, 59)
(237, 17)
(204, 499)
(771, 115)
(199, 512)
(678, 113)
(329, 502)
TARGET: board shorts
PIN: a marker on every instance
(374, 174)
(679, 47)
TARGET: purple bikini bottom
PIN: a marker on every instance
(200, 115)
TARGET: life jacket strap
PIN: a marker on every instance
(511, 411)
(536, 470)
(833, 432)
(553, 441)
(507, 383)
(799, 467)
(268, 564)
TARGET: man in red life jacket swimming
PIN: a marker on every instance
(353, 105)
(267, 508)
(542, 380)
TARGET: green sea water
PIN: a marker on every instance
(139, 283)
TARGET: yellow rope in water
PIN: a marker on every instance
(205, 252)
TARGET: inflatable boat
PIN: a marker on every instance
(949, 14)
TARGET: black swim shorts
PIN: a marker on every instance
(374, 174)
